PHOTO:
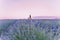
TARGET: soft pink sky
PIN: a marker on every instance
(23, 8)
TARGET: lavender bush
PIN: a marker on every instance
(31, 30)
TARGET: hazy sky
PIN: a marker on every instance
(23, 8)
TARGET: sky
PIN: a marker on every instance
(21, 9)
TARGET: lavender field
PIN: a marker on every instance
(30, 29)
